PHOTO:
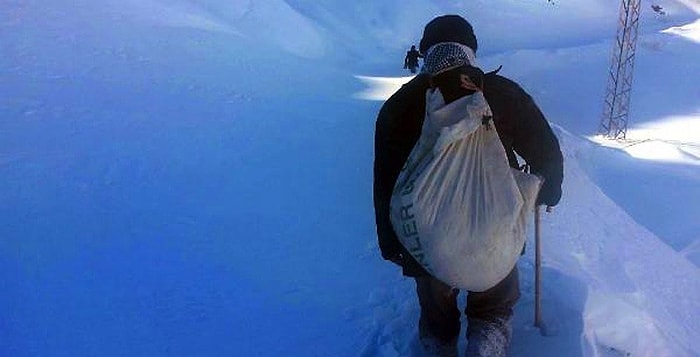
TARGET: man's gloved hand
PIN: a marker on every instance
(549, 195)
(459, 82)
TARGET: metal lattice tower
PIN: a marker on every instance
(617, 98)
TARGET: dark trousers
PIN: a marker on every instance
(439, 317)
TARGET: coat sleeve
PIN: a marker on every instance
(397, 129)
(535, 142)
(387, 165)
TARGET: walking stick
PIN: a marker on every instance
(539, 323)
(538, 262)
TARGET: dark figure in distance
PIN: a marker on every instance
(411, 60)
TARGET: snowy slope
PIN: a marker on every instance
(194, 178)
(608, 282)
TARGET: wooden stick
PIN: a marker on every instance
(538, 263)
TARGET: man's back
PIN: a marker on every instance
(413, 56)
(520, 124)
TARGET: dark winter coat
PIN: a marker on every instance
(520, 124)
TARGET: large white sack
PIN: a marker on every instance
(457, 206)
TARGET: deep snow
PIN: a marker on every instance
(194, 177)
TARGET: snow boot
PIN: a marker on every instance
(436, 348)
(488, 338)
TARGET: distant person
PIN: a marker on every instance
(449, 46)
(411, 60)
(658, 9)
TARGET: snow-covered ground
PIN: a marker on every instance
(194, 177)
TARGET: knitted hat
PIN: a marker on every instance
(448, 28)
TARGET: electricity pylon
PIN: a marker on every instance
(617, 98)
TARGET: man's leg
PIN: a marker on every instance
(439, 317)
(489, 317)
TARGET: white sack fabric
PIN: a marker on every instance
(457, 206)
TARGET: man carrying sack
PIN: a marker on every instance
(450, 197)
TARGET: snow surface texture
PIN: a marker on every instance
(194, 177)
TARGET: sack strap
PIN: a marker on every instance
(494, 72)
